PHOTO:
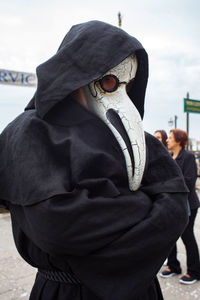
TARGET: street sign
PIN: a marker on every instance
(17, 78)
(191, 106)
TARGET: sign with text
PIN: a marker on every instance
(17, 78)
(192, 106)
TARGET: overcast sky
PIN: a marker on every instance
(169, 30)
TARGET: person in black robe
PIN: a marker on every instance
(64, 179)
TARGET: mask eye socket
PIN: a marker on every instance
(109, 83)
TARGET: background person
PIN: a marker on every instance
(161, 135)
(186, 160)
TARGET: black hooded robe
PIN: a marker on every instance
(63, 178)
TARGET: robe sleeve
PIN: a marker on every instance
(114, 240)
(115, 246)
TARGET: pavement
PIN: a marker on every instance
(171, 288)
(17, 277)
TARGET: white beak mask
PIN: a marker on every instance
(107, 97)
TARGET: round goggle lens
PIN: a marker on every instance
(109, 83)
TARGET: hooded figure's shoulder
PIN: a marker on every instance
(60, 151)
(26, 136)
(23, 125)
(29, 150)
(151, 140)
(156, 151)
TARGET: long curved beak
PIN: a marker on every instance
(124, 120)
(126, 124)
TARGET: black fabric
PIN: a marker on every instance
(186, 161)
(72, 148)
(111, 238)
(87, 52)
(63, 177)
(91, 223)
(62, 277)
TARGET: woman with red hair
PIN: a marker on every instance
(176, 143)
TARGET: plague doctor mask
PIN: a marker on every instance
(107, 97)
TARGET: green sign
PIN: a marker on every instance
(192, 106)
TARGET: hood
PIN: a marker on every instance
(87, 51)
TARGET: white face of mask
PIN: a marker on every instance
(107, 97)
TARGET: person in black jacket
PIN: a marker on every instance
(186, 161)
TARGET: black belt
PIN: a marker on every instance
(59, 276)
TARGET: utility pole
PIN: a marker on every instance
(119, 19)
(187, 121)
(175, 121)
(187, 117)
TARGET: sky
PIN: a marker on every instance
(32, 30)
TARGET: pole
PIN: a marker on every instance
(119, 19)
(187, 121)
(175, 121)
(187, 117)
